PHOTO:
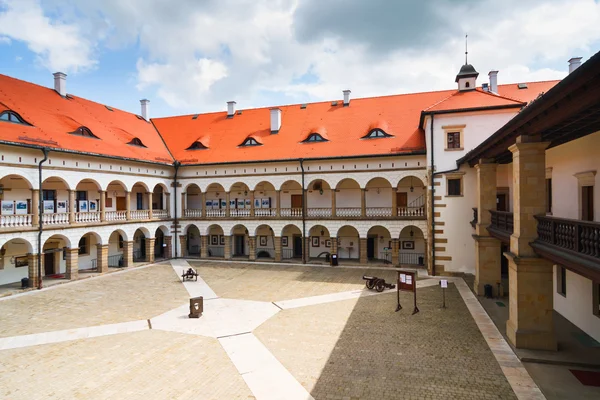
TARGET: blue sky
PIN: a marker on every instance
(196, 56)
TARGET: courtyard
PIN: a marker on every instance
(268, 332)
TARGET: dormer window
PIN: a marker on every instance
(376, 133)
(314, 137)
(11, 116)
(83, 131)
(197, 146)
(250, 142)
(136, 142)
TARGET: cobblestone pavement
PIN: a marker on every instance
(263, 282)
(137, 294)
(362, 349)
(142, 365)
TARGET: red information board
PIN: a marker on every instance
(407, 281)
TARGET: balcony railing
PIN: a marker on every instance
(348, 212)
(216, 213)
(115, 215)
(192, 213)
(411, 211)
(140, 214)
(81, 217)
(15, 221)
(55, 218)
(379, 211)
(265, 212)
(501, 225)
(239, 212)
(291, 212)
(160, 214)
(321, 212)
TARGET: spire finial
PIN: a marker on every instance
(466, 48)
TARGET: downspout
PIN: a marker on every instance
(41, 217)
(432, 202)
(304, 246)
(176, 164)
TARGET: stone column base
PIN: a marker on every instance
(33, 269)
(488, 258)
(102, 258)
(530, 324)
(168, 250)
(72, 271)
(227, 250)
(277, 242)
(203, 246)
(395, 252)
(363, 251)
(252, 248)
(150, 249)
(183, 244)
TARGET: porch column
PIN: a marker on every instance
(227, 208)
(203, 200)
(203, 246)
(530, 324)
(334, 245)
(363, 250)
(150, 249)
(487, 249)
(227, 249)
(252, 247)
(395, 252)
(394, 202)
(183, 204)
(168, 249)
(32, 267)
(277, 243)
(183, 244)
(35, 207)
(333, 203)
(168, 205)
(72, 263)
(103, 205)
(128, 205)
(102, 258)
(278, 196)
(127, 254)
(71, 206)
(251, 203)
(149, 205)
(363, 202)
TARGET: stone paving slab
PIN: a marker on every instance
(362, 349)
(137, 294)
(142, 365)
(263, 282)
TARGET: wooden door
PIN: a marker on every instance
(501, 202)
(402, 200)
(238, 248)
(121, 203)
(587, 203)
(296, 201)
(371, 247)
(48, 264)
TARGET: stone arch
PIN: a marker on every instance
(88, 182)
(143, 230)
(216, 229)
(193, 240)
(379, 244)
(116, 248)
(292, 227)
(264, 186)
(116, 185)
(216, 240)
(412, 246)
(348, 198)
(25, 183)
(348, 239)
(14, 258)
(160, 243)
(291, 242)
(291, 184)
(141, 184)
(53, 256)
(316, 230)
(264, 237)
(18, 189)
(378, 197)
(411, 197)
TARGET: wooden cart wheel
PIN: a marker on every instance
(370, 284)
(380, 286)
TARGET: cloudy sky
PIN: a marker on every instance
(190, 56)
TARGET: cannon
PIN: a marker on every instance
(377, 283)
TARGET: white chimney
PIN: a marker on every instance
(230, 109)
(275, 120)
(347, 97)
(574, 63)
(493, 75)
(60, 83)
(145, 108)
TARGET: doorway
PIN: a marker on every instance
(238, 245)
(121, 203)
(49, 263)
(297, 246)
(402, 200)
(371, 247)
(587, 203)
(296, 201)
(142, 248)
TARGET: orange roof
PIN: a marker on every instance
(53, 117)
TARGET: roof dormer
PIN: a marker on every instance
(84, 131)
(250, 141)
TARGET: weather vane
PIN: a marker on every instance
(466, 48)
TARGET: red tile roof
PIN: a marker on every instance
(53, 117)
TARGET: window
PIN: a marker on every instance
(376, 133)
(136, 142)
(11, 116)
(561, 281)
(139, 200)
(587, 203)
(83, 246)
(315, 137)
(454, 187)
(250, 142)
(549, 196)
(467, 84)
(197, 146)
(453, 140)
(83, 131)
(48, 194)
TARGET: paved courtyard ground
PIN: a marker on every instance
(268, 332)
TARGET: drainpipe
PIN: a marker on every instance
(176, 164)
(41, 219)
(432, 203)
(304, 246)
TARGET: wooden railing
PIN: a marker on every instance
(501, 225)
(582, 237)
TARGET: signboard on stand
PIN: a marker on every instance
(407, 281)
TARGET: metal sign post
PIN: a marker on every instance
(444, 285)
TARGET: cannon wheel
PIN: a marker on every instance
(370, 284)
(380, 286)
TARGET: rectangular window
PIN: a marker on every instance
(49, 194)
(561, 281)
(140, 200)
(587, 203)
(453, 140)
(454, 187)
(549, 196)
(81, 195)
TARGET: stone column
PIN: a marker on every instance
(252, 203)
(102, 205)
(183, 245)
(307, 247)
(363, 202)
(128, 205)
(333, 203)
(278, 196)
(487, 249)
(168, 205)
(394, 202)
(33, 269)
(252, 247)
(150, 249)
(127, 254)
(334, 245)
(102, 258)
(183, 204)
(227, 250)
(277, 242)
(35, 207)
(168, 249)
(363, 250)
(203, 246)
(395, 252)
(531, 291)
(149, 204)
(227, 207)
(203, 205)
(71, 206)
(72, 263)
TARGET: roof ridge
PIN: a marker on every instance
(499, 95)
(441, 101)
